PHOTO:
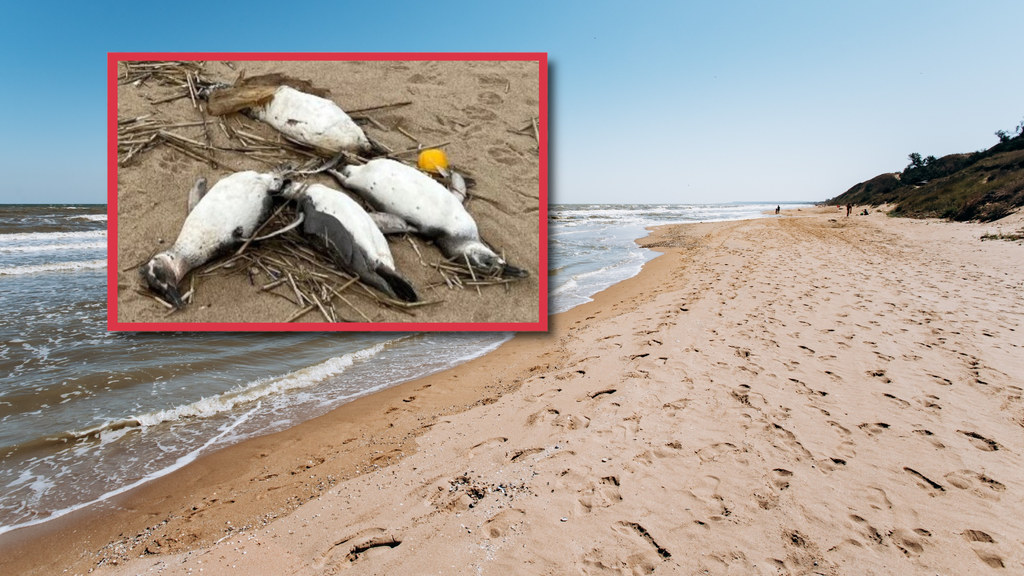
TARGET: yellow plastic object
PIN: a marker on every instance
(432, 160)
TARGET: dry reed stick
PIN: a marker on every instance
(382, 106)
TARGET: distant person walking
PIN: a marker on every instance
(849, 208)
(777, 208)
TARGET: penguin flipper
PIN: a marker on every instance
(197, 193)
(295, 224)
(400, 286)
(391, 224)
(457, 186)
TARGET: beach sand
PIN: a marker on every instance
(479, 108)
(810, 394)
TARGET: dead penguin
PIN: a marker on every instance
(218, 220)
(302, 116)
(419, 204)
(312, 120)
(350, 236)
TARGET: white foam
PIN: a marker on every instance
(73, 266)
(506, 336)
(178, 464)
(50, 236)
(93, 217)
(261, 388)
(54, 247)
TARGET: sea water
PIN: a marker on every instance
(86, 413)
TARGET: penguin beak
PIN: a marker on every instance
(510, 271)
(172, 294)
(487, 263)
(161, 279)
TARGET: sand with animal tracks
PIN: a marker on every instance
(810, 394)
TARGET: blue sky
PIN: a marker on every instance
(660, 102)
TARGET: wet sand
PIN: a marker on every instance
(810, 394)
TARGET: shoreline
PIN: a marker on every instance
(576, 390)
(100, 498)
(122, 514)
(131, 510)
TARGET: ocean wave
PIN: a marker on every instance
(20, 237)
(41, 485)
(236, 397)
(604, 276)
(53, 247)
(569, 285)
(72, 266)
(93, 217)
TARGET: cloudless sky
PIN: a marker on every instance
(649, 101)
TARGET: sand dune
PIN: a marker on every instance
(809, 394)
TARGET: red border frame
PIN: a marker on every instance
(113, 266)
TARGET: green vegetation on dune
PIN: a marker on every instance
(985, 185)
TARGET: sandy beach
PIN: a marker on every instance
(809, 394)
(477, 111)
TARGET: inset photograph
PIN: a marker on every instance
(328, 192)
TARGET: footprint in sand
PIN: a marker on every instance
(369, 542)
(423, 79)
(924, 481)
(479, 113)
(909, 542)
(977, 536)
(931, 437)
(715, 452)
(672, 408)
(489, 443)
(977, 483)
(504, 155)
(501, 523)
(980, 442)
(705, 492)
(172, 162)
(546, 415)
(779, 478)
(489, 98)
(873, 428)
(929, 401)
(807, 390)
(599, 394)
(901, 402)
(867, 531)
(789, 442)
(520, 454)
(636, 529)
(843, 430)
(571, 421)
(493, 81)
(880, 374)
(985, 547)
(600, 494)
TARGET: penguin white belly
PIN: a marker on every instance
(417, 198)
(312, 120)
(229, 212)
(364, 232)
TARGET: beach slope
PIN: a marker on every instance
(810, 394)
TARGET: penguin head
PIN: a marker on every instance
(292, 190)
(161, 274)
(483, 258)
